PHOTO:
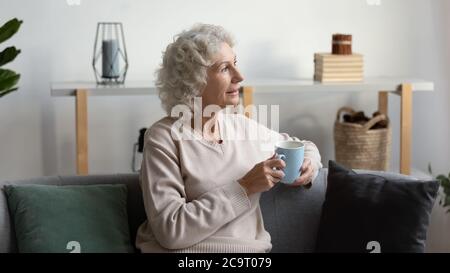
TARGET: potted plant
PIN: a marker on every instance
(8, 78)
(445, 184)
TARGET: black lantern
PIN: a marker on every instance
(110, 51)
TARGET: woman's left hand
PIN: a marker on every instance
(305, 178)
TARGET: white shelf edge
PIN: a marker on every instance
(264, 86)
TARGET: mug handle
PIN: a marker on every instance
(279, 156)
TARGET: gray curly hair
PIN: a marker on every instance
(182, 75)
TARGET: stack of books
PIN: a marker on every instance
(338, 68)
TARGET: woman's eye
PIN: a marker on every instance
(225, 69)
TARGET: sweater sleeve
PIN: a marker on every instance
(176, 222)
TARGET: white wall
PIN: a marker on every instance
(275, 38)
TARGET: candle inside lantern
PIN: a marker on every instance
(110, 59)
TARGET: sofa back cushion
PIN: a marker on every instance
(292, 215)
(91, 218)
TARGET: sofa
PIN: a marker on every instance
(291, 215)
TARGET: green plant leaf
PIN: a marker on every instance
(447, 201)
(446, 186)
(8, 55)
(9, 29)
(5, 92)
(442, 178)
(447, 191)
(8, 79)
(444, 181)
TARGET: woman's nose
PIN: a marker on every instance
(237, 77)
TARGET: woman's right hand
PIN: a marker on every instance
(262, 177)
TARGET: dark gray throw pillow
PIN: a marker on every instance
(371, 213)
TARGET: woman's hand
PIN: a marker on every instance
(262, 177)
(307, 174)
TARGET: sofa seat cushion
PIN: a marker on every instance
(373, 213)
(62, 219)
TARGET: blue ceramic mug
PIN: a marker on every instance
(292, 153)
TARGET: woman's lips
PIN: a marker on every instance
(233, 92)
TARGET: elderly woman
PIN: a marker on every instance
(201, 190)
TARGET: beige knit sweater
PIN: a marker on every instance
(192, 198)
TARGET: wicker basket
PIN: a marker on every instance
(358, 147)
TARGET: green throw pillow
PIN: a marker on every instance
(63, 219)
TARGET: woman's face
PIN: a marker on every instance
(222, 85)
